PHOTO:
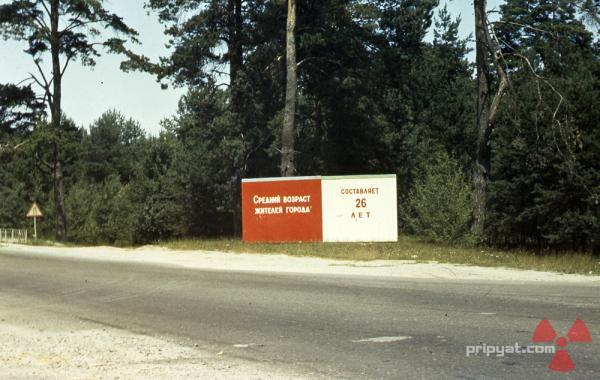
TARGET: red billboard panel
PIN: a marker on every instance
(282, 209)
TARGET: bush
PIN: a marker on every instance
(439, 207)
(159, 213)
(100, 213)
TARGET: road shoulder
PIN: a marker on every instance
(50, 345)
(210, 260)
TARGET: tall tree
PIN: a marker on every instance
(488, 102)
(402, 30)
(544, 190)
(207, 35)
(291, 92)
(533, 37)
(67, 30)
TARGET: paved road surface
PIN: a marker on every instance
(322, 325)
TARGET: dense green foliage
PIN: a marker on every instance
(546, 167)
(375, 96)
(60, 31)
(440, 205)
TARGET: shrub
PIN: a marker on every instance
(100, 213)
(439, 207)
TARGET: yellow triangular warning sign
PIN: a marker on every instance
(35, 211)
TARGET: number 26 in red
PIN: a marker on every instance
(361, 203)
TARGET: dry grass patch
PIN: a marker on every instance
(407, 248)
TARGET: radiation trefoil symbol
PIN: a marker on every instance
(561, 361)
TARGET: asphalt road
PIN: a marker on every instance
(317, 324)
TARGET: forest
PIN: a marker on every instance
(502, 149)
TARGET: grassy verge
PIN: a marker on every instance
(407, 248)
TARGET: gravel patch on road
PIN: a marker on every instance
(38, 344)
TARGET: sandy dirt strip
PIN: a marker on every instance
(305, 265)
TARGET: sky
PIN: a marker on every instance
(89, 92)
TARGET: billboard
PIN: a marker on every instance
(360, 208)
(331, 209)
(282, 209)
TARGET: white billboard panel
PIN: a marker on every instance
(360, 208)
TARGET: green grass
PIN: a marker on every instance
(407, 248)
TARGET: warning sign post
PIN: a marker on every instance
(35, 212)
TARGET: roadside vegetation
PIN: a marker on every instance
(382, 87)
(407, 248)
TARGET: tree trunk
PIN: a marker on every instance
(291, 88)
(59, 196)
(237, 203)
(234, 48)
(482, 161)
(486, 112)
(59, 186)
(236, 62)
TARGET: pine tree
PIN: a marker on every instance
(545, 171)
(67, 30)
